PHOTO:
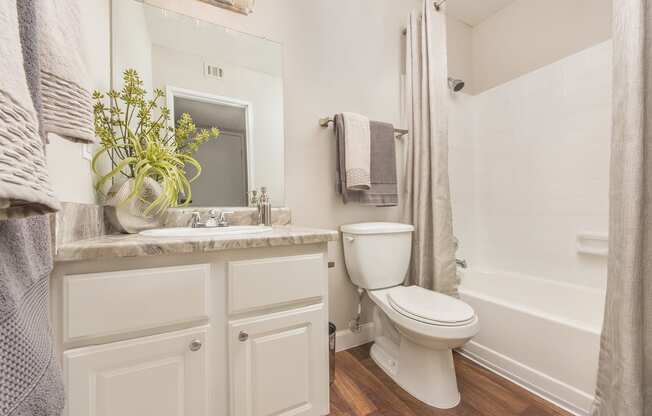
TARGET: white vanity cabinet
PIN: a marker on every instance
(237, 333)
(163, 375)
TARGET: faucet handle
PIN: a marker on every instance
(195, 219)
(221, 220)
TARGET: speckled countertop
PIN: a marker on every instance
(137, 245)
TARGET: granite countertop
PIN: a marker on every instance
(135, 245)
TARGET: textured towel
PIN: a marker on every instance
(65, 84)
(357, 145)
(30, 376)
(24, 184)
(384, 188)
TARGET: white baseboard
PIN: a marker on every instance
(346, 339)
(567, 397)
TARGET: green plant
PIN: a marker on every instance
(136, 135)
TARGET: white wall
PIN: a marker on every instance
(533, 172)
(529, 34)
(339, 55)
(132, 43)
(459, 37)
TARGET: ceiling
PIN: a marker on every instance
(473, 12)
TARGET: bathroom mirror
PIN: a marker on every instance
(222, 78)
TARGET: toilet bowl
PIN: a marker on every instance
(415, 328)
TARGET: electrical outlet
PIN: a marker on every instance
(86, 151)
(213, 71)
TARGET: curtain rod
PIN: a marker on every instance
(439, 4)
(437, 7)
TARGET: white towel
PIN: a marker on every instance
(24, 185)
(65, 84)
(357, 152)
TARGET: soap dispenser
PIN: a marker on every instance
(265, 207)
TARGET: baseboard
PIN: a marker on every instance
(346, 339)
(567, 397)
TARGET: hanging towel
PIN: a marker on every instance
(24, 184)
(357, 144)
(65, 84)
(384, 185)
(30, 375)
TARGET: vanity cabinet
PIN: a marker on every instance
(163, 375)
(237, 333)
(276, 363)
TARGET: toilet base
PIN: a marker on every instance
(427, 374)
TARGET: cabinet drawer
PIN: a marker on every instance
(100, 304)
(255, 284)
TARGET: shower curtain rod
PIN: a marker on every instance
(439, 4)
(437, 7)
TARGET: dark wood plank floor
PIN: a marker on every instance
(361, 388)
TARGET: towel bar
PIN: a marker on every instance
(325, 121)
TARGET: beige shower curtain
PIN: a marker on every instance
(426, 194)
(625, 375)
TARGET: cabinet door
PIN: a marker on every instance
(279, 364)
(163, 375)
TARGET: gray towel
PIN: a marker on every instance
(65, 83)
(24, 184)
(384, 188)
(30, 376)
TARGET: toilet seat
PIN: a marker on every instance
(429, 307)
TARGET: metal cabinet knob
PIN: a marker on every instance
(195, 345)
(243, 336)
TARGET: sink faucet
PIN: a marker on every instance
(195, 220)
(215, 219)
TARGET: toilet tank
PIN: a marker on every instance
(377, 254)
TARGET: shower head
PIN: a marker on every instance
(455, 85)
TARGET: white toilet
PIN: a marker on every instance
(417, 328)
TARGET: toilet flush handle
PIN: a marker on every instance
(349, 239)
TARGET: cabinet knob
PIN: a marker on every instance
(243, 336)
(195, 345)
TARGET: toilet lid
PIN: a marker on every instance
(430, 307)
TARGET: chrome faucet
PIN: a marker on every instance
(195, 220)
(462, 263)
(215, 219)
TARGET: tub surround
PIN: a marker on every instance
(134, 245)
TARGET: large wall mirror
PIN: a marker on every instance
(222, 78)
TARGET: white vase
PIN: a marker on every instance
(129, 217)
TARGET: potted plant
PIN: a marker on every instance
(148, 154)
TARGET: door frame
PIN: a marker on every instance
(171, 92)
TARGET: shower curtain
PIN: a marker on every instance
(625, 376)
(426, 194)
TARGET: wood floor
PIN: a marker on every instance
(361, 388)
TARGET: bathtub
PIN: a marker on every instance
(541, 334)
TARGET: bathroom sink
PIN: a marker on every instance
(205, 232)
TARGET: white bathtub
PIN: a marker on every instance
(539, 333)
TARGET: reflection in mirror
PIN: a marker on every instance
(222, 78)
